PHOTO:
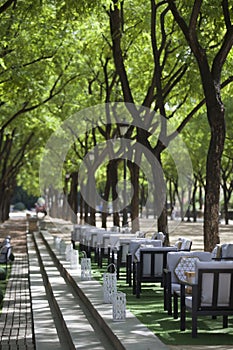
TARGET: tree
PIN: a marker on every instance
(195, 25)
(210, 48)
(227, 164)
(36, 65)
(162, 79)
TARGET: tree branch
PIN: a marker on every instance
(226, 13)
(6, 5)
(221, 56)
(115, 25)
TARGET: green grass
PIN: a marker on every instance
(149, 310)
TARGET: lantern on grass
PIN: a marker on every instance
(119, 306)
(85, 267)
(109, 284)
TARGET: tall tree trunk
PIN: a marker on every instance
(226, 214)
(194, 210)
(106, 196)
(213, 179)
(73, 197)
(113, 180)
(81, 206)
(134, 175)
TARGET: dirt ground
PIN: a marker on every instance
(191, 230)
(16, 228)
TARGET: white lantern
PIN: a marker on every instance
(85, 268)
(109, 284)
(69, 249)
(119, 306)
(74, 257)
(57, 241)
(62, 248)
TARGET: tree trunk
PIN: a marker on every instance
(226, 214)
(106, 197)
(134, 175)
(5, 204)
(163, 226)
(113, 180)
(73, 197)
(81, 208)
(213, 173)
(194, 210)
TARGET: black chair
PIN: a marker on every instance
(119, 257)
(149, 267)
(171, 273)
(132, 249)
(212, 294)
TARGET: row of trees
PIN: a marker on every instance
(173, 57)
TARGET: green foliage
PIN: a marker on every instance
(56, 59)
(2, 274)
(19, 206)
(20, 195)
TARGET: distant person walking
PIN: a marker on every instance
(41, 206)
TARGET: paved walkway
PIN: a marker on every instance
(16, 320)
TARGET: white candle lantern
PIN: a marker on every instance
(119, 306)
(109, 284)
(57, 241)
(68, 252)
(74, 257)
(85, 268)
(62, 247)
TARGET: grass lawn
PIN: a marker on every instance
(149, 310)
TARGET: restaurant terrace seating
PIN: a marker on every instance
(183, 244)
(223, 251)
(133, 254)
(171, 276)
(149, 266)
(211, 294)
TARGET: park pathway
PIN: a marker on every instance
(16, 326)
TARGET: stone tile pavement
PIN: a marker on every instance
(16, 326)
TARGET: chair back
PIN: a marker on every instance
(214, 285)
(174, 257)
(227, 251)
(135, 244)
(159, 235)
(153, 261)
